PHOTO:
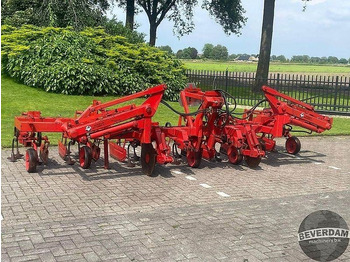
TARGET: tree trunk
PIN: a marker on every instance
(152, 33)
(130, 13)
(262, 71)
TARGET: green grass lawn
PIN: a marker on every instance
(274, 67)
(17, 98)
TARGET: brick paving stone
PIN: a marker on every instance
(64, 213)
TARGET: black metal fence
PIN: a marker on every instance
(329, 94)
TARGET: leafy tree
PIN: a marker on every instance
(187, 53)
(79, 14)
(301, 59)
(281, 58)
(333, 60)
(208, 51)
(229, 14)
(220, 52)
(115, 27)
(166, 48)
(315, 60)
(191, 52)
(217, 52)
(343, 61)
(76, 13)
(323, 60)
(179, 54)
(18, 12)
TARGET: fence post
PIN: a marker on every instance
(226, 80)
(336, 93)
(278, 82)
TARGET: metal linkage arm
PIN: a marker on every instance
(298, 112)
(155, 93)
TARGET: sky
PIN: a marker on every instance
(322, 30)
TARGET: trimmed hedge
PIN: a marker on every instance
(89, 62)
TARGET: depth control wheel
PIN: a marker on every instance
(85, 157)
(293, 145)
(253, 162)
(31, 160)
(234, 155)
(148, 159)
(194, 158)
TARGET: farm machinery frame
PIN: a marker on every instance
(122, 128)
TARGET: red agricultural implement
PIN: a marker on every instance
(122, 128)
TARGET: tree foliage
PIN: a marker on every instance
(217, 52)
(179, 11)
(167, 49)
(228, 13)
(76, 13)
(87, 62)
(187, 53)
(318, 60)
(115, 27)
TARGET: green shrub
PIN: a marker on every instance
(88, 62)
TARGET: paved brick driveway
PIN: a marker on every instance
(217, 212)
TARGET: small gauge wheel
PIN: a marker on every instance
(31, 160)
(234, 155)
(85, 157)
(194, 158)
(293, 145)
(148, 159)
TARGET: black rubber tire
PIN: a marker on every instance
(234, 155)
(85, 157)
(148, 159)
(293, 145)
(194, 158)
(31, 160)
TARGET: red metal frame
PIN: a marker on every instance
(196, 134)
(285, 110)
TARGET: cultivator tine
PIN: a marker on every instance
(70, 161)
(105, 151)
(14, 156)
(132, 160)
(130, 163)
(135, 156)
(218, 157)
